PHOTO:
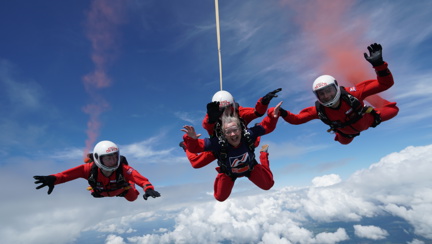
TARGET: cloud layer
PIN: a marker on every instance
(391, 187)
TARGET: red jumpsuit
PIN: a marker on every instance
(246, 113)
(130, 174)
(260, 175)
(342, 112)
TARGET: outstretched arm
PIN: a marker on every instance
(80, 171)
(193, 144)
(269, 122)
(149, 190)
(304, 116)
(262, 104)
(384, 77)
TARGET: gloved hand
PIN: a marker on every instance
(151, 193)
(266, 99)
(213, 112)
(375, 55)
(46, 181)
(282, 112)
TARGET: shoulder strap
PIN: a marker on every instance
(350, 99)
(247, 136)
(321, 114)
(123, 160)
(92, 180)
(119, 173)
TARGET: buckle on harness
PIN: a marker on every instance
(368, 110)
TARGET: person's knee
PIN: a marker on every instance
(393, 110)
(268, 186)
(221, 198)
(343, 140)
(388, 111)
(132, 195)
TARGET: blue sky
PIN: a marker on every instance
(146, 68)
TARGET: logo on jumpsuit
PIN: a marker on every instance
(239, 160)
(239, 164)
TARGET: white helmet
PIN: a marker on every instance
(326, 81)
(224, 98)
(104, 148)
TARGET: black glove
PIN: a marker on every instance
(151, 193)
(375, 55)
(213, 112)
(282, 112)
(266, 99)
(45, 181)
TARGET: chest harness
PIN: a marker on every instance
(357, 111)
(222, 155)
(98, 188)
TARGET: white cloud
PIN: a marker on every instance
(415, 241)
(282, 216)
(370, 232)
(112, 239)
(144, 149)
(255, 220)
(336, 204)
(326, 180)
(339, 235)
(393, 186)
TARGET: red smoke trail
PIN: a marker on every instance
(341, 42)
(102, 21)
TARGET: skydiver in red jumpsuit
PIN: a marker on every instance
(236, 157)
(108, 175)
(221, 101)
(343, 108)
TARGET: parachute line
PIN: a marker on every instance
(218, 41)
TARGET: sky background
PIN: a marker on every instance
(73, 73)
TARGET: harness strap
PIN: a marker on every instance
(359, 112)
(377, 118)
(223, 154)
(120, 180)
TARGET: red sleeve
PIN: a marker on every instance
(305, 115)
(81, 171)
(269, 122)
(193, 145)
(371, 87)
(207, 126)
(260, 108)
(247, 114)
(133, 175)
(200, 160)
